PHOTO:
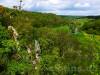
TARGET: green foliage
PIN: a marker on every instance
(62, 52)
(64, 48)
(92, 27)
(12, 62)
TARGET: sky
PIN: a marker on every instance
(59, 7)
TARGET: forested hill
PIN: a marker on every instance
(36, 19)
(26, 20)
(80, 17)
(34, 43)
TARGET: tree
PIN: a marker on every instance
(92, 27)
(2, 10)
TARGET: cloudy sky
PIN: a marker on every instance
(60, 7)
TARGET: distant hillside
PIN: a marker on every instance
(94, 17)
(80, 17)
(29, 20)
(36, 19)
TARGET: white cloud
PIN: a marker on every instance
(8, 3)
(67, 7)
(82, 5)
(54, 1)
